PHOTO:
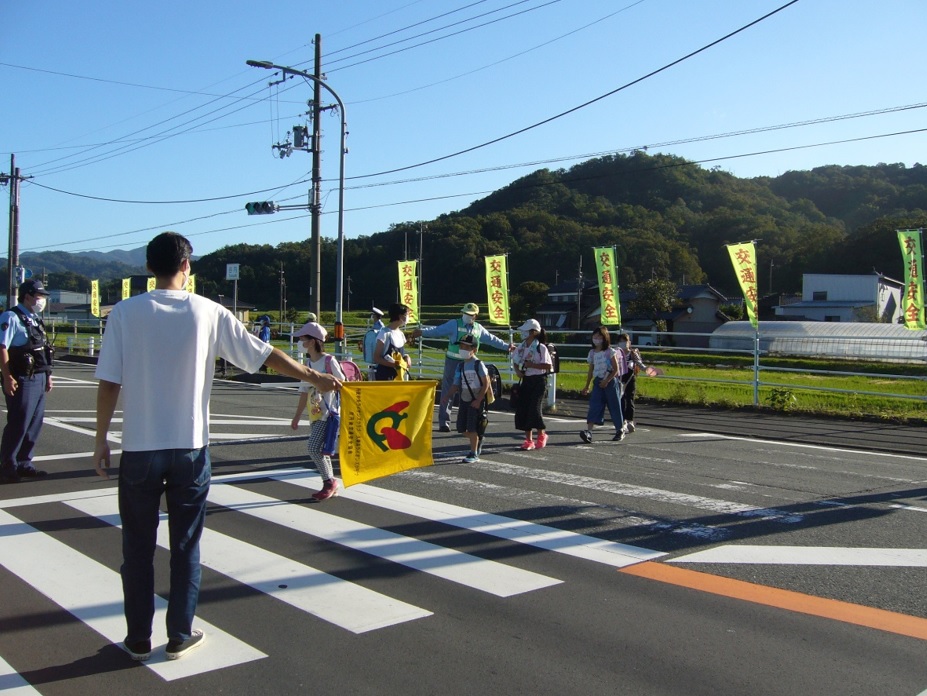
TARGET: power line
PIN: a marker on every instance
(503, 60)
(566, 158)
(684, 163)
(446, 36)
(583, 105)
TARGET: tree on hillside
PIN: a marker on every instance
(526, 298)
(653, 298)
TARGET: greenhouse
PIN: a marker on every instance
(850, 340)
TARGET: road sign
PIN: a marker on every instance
(231, 271)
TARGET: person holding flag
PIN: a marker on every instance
(454, 330)
(390, 354)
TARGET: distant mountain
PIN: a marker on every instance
(130, 257)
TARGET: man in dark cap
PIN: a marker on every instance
(25, 362)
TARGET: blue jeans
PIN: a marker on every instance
(599, 398)
(183, 475)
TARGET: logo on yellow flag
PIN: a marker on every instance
(385, 428)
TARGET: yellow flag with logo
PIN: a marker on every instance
(151, 283)
(126, 288)
(385, 428)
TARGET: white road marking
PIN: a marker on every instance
(11, 684)
(912, 508)
(93, 593)
(540, 536)
(455, 566)
(625, 518)
(808, 555)
(804, 446)
(724, 507)
(343, 603)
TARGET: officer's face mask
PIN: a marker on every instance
(39, 305)
(467, 319)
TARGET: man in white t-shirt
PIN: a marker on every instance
(159, 351)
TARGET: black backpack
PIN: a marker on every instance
(554, 358)
(495, 381)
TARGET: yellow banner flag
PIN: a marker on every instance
(191, 285)
(385, 428)
(607, 275)
(497, 289)
(912, 301)
(95, 298)
(126, 288)
(151, 284)
(743, 256)
(408, 288)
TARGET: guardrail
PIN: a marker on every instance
(85, 338)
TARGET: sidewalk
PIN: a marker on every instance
(831, 432)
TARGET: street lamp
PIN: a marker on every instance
(339, 269)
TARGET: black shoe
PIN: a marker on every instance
(178, 648)
(32, 473)
(619, 436)
(445, 429)
(139, 651)
(585, 435)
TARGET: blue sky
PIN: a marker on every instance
(136, 101)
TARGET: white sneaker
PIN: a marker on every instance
(630, 427)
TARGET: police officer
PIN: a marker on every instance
(25, 362)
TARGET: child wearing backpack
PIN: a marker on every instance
(324, 406)
(472, 381)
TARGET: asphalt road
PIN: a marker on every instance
(708, 553)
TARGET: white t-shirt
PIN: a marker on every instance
(326, 363)
(601, 361)
(162, 348)
(392, 339)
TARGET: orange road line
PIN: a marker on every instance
(880, 619)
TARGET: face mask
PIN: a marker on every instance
(40, 305)
(597, 341)
(466, 354)
(467, 320)
(525, 335)
(622, 344)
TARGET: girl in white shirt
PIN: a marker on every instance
(606, 365)
(532, 362)
(324, 406)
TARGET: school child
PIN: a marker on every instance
(606, 365)
(324, 406)
(532, 362)
(472, 381)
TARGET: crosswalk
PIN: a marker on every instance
(91, 591)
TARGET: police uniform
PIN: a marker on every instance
(30, 363)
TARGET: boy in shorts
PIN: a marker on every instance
(472, 381)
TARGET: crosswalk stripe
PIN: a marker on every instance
(93, 593)
(11, 684)
(331, 599)
(495, 578)
(547, 538)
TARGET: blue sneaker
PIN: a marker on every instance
(471, 458)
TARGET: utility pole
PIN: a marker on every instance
(13, 179)
(579, 296)
(282, 294)
(315, 195)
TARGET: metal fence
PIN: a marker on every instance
(85, 338)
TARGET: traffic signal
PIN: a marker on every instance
(261, 208)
